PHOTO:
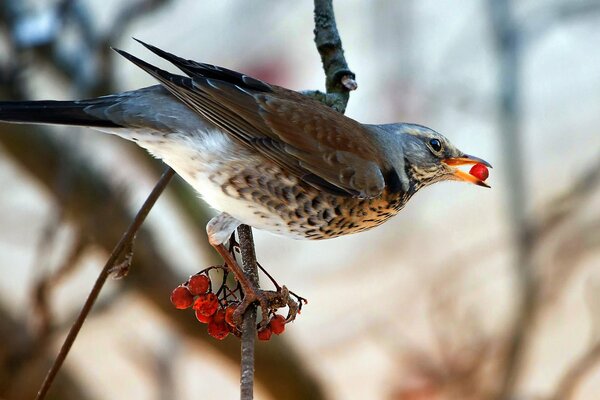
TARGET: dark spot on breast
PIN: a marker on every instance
(316, 202)
(392, 181)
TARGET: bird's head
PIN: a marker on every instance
(432, 158)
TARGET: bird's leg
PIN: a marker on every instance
(282, 296)
(219, 229)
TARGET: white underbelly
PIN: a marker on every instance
(202, 161)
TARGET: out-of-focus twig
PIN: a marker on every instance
(508, 44)
(43, 287)
(28, 363)
(563, 205)
(546, 17)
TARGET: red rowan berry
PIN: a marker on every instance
(198, 284)
(218, 328)
(181, 297)
(277, 324)
(265, 333)
(206, 304)
(205, 319)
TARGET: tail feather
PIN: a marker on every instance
(52, 112)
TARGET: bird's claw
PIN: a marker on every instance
(269, 302)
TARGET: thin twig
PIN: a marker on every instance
(125, 242)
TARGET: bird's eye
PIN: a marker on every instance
(436, 145)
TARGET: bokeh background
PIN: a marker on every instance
(467, 294)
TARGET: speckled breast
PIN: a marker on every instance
(283, 204)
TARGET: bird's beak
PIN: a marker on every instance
(466, 159)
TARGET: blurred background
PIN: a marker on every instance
(467, 294)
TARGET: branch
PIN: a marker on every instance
(339, 79)
(249, 322)
(124, 245)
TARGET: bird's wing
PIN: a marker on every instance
(317, 144)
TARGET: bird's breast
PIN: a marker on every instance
(265, 197)
(233, 179)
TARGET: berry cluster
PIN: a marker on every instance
(216, 308)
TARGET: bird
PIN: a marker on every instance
(261, 154)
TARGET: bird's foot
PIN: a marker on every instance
(269, 300)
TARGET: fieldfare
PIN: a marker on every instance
(264, 155)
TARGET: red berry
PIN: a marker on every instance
(206, 304)
(265, 334)
(218, 328)
(219, 316)
(181, 297)
(205, 319)
(198, 284)
(229, 314)
(479, 171)
(277, 324)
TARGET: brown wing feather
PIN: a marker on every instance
(312, 141)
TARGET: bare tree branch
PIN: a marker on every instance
(249, 323)
(339, 80)
(124, 244)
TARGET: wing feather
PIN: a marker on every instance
(318, 145)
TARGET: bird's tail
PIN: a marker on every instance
(52, 112)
